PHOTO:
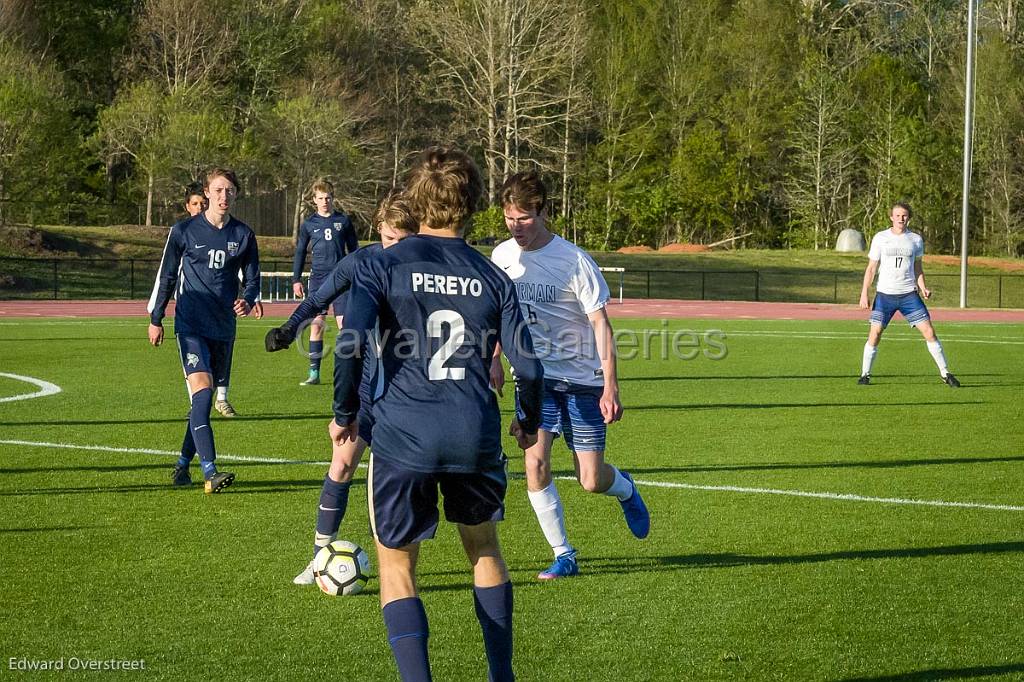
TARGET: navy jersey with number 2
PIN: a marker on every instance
(441, 307)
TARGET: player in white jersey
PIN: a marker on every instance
(895, 255)
(563, 296)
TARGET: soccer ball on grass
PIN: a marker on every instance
(341, 568)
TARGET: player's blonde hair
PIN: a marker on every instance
(321, 185)
(395, 211)
(444, 188)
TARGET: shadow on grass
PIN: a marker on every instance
(238, 488)
(325, 416)
(114, 468)
(774, 406)
(945, 673)
(613, 565)
(781, 466)
(54, 529)
(776, 377)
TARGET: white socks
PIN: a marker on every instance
(222, 393)
(935, 348)
(548, 507)
(869, 358)
(620, 487)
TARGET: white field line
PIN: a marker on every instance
(842, 497)
(891, 337)
(45, 388)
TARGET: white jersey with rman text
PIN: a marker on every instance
(559, 285)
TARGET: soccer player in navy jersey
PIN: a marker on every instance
(394, 221)
(201, 263)
(195, 203)
(441, 307)
(329, 235)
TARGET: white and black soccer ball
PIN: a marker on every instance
(341, 568)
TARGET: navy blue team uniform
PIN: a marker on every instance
(441, 307)
(330, 239)
(200, 267)
(334, 289)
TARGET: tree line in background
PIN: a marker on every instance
(654, 121)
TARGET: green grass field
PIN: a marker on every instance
(754, 568)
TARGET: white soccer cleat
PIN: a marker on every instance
(306, 577)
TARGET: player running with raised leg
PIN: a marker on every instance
(394, 221)
(895, 255)
(441, 307)
(330, 235)
(202, 260)
(563, 296)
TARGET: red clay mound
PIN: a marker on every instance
(636, 249)
(683, 248)
(1004, 264)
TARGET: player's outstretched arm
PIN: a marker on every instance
(611, 406)
(869, 276)
(250, 278)
(497, 371)
(360, 319)
(299, 261)
(517, 344)
(163, 287)
(919, 277)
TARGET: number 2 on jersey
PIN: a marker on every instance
(436, 371)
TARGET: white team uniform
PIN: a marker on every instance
(896, 254)
(558, 286)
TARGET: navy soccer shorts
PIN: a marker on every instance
(200, 354)
(909, 305)
(403, 503)
(338, 304)
(574, 411)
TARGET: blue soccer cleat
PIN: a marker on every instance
(637, 517)
(564, 566)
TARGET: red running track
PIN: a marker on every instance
(650, 308)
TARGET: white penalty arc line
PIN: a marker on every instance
(842, 497)
(45, 388)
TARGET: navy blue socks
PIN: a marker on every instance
(316, 353)
(333, 502)
(494, 611)
(202, 434)
(406, 622)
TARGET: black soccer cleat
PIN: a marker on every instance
(180, 476)
(218, 482)
(951, 380)
(864, 380)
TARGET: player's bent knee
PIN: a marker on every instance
(589, 468)
(199, 381)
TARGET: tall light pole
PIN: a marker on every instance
(968, 140)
